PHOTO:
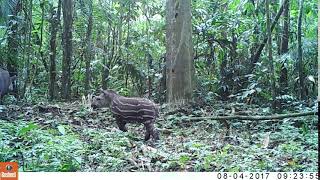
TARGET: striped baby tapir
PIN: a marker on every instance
(129, 110)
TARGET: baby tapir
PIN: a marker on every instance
(129, 110)
(5, 82)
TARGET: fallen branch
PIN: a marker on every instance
(253, 118)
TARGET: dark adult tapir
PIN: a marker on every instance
(6, 82)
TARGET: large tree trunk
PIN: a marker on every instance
(163, 80)
(13, 44)
(300, 64)
(318, 51)
(224, 84)
(106, 55)
(273, 87)
(88, 54)
(127, 44)
(179, 55)
(55, 22)
(283, 81)
(28, 47)
(67, 49)
(148, 56)
(43, 60)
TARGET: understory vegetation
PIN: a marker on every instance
(196, 59)
(71, 137)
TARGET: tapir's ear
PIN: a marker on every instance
(103, 92)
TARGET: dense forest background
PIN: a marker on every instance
(230, 57)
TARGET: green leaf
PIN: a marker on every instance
(62, 130)
(26, 129)
(184, 158)
(78, 159)
(311, 78)
(234, 4)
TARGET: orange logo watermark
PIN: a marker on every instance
(8, 171)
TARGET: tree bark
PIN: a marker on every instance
(28, 47)
(300, 63)
(67, 49)
(127, 45)
(148, 56)
(106, 63)
(318, 52)
(43, 60)
(13, 44)
(284, 48)
(273, 86)
(225, 85)
(179, 51)
(55, 23)
(257, 55)
(88, 54)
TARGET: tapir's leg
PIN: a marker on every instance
(121, 124)
(150, 130)
(156, 135)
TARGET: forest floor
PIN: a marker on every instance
(71, 137)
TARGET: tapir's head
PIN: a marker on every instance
(104, 99)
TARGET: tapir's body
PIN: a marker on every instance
(5, 82)
(133, 110)
(130, 110)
